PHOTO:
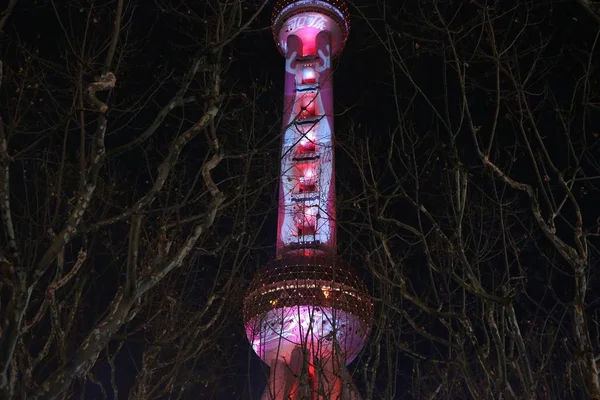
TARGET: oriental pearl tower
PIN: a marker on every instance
(306, 314)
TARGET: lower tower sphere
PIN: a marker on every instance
(308, 316)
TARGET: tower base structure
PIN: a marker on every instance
(304, 376)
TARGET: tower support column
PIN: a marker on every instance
(306, 314)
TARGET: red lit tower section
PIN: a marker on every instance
(306, 314)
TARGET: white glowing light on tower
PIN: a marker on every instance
(308, 139)
(309, 75)
(311, 211)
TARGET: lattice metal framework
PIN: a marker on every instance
(299, 280)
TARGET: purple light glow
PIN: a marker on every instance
(319, 329)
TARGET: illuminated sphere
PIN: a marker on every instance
(333, 15)
(307, 302)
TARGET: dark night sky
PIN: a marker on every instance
(363, 99)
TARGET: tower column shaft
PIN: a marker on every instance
(282, 382)
(306, 218)
(307, 376)
(333, 381)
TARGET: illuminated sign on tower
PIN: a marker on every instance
(306, 314)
